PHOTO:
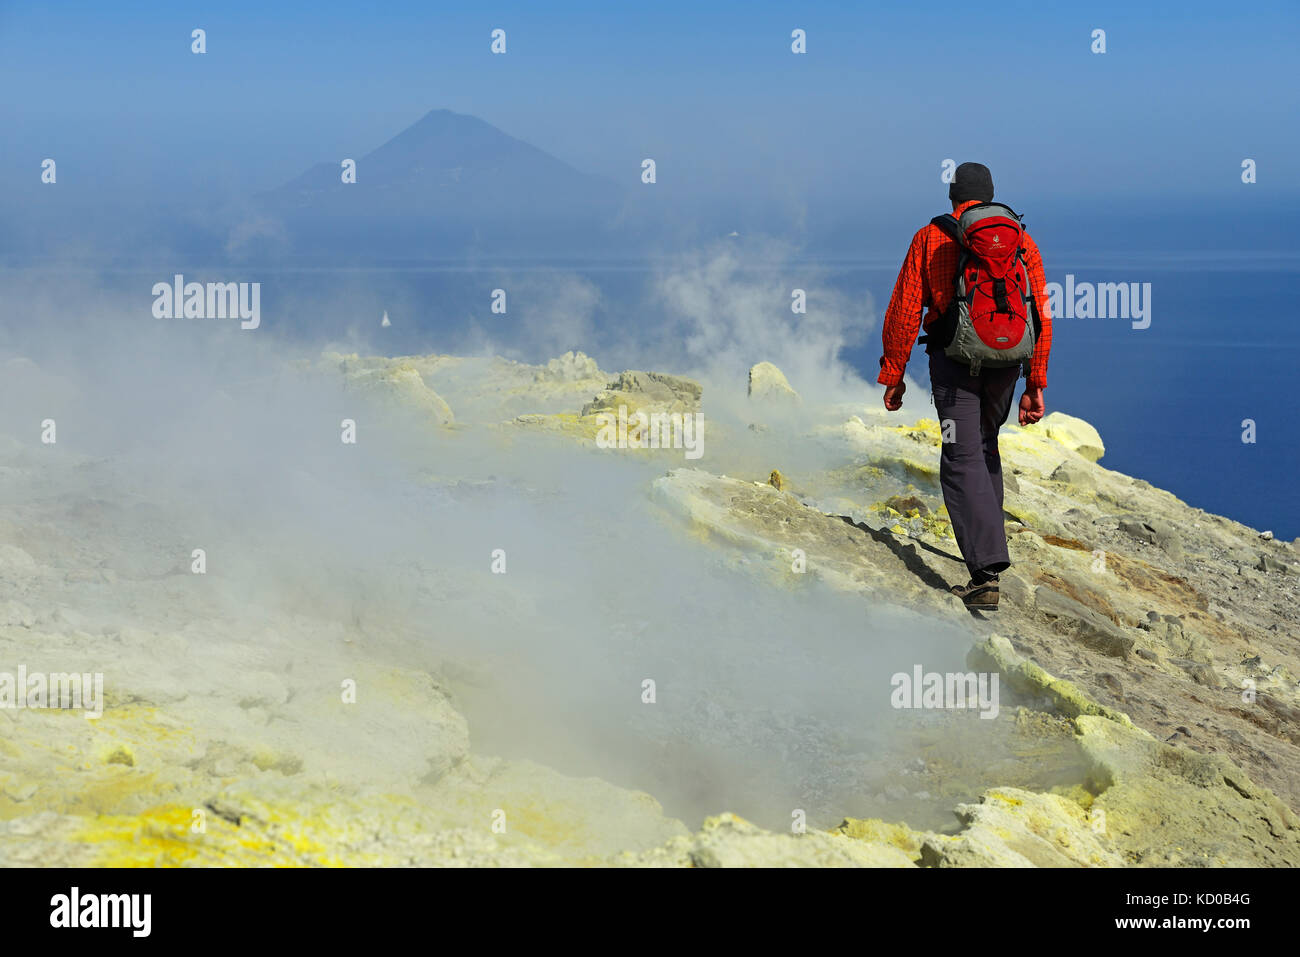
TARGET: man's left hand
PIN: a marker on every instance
(1031, 406)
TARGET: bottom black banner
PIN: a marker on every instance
(306, 906)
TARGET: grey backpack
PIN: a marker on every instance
(992, 320)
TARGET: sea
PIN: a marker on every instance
(1192, 396)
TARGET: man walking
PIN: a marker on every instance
(981, 278)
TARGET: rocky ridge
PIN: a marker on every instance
(1159, 640)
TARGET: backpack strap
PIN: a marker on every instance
(952, 228)
(1031, 303)
(949, 224)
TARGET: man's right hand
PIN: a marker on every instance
(894, 397)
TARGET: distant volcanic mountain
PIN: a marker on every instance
(450, 183)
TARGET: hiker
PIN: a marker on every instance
(981, 278)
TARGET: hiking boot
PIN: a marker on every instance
(978, 597)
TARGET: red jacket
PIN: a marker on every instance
(928, 279)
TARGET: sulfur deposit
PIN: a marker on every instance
(367, 689)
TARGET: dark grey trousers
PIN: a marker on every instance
(971, 409)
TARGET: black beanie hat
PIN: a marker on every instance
(973, 181)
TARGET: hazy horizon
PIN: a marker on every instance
(839, 148)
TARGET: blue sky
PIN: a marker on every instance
(711, 91)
